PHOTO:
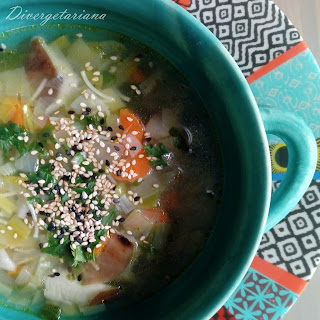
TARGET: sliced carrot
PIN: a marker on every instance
(137, 76)
(140, 168)
(132, 123)
(99, 250)
(15, 272)
(17, 116)
(155, 215)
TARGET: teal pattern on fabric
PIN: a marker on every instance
(293, 86)
(260, 298)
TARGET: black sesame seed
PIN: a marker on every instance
(29, 214)
(121, 127)
(116, 200)
(58, 154)
(116, 148)
(51, 226)
(114, 188)
(40, 175)
(56, 187)
(133, 148)
(97, 218)
(79, 240)
(71, 112)
(66, 178)
(85, 113)
(139, 55)
(42, 213)
(107, 163)
(47, 214)
(88, 109)
(60, 236)
(37, 190)
(51, 275)
(1, 49)
(68, 153)
(40, 245)
(122, 219)
(137, 198)
(78, 219)
(148, 139)
(102, 121)
(74, 148)
(110, 129)
(46, 134)
(114, 138)
(101, 171)
(79, 277)
(40, 145)
(27, 182)
(57, 274)
(119, 173)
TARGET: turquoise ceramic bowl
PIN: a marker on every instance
(205, 286)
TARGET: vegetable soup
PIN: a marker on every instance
(110, 174)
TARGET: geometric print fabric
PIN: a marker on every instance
(294, 243)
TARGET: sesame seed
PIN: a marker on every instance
(155, 185)
(72, 85)
(114, 58)
(50, 91)
(79, 35)
(41, 118)
(34, 152)
(3, 46)
(95, 79)
(45, 245)
(58, 101)
(129, 119)
(87, 64)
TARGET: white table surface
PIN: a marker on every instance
(305, 16)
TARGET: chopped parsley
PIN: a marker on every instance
(157, 152)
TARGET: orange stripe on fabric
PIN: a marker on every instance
(273, 64)
(279, 275)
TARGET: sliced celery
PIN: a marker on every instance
(7, 205)
(19, 226)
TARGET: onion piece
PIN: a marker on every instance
(34, 217)
(27, 163)
(92, 88)
(23, 210)
(39, 89)
(125, 205)
(6, 262)
(23, 277)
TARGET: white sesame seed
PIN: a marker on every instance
(41, 118)
(158, 168)
(12, 159)
(134, 133)
(50, 91)
(89, 250)
(129, 232)
(79, 35)
(141, 156)
(9, 228)
(136, 59)
(133, 87)
(3, 46)
(83, 105)
(87, 64)
(129, 119)
(2, 231)
(138, 92)
(93, 97)
(100, 114)
(114, 58)
(73, 85)
(96, 73)
(90, 68)
(34, 152)
(58, 101)
(26, 195)
(155, 185)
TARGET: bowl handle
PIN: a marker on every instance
(302, 150)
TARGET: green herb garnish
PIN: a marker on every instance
(157, 152)
(9, 139)
(50, 312)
